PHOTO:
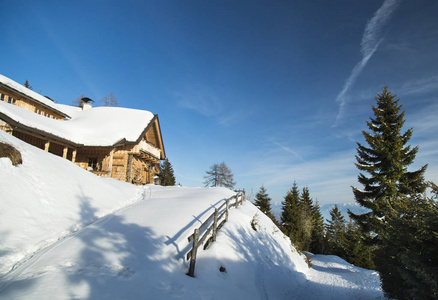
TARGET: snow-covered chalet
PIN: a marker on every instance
(125, 144)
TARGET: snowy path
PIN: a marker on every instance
(333, 278)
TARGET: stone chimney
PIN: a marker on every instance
(86, 103)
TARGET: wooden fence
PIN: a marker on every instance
(201, 233)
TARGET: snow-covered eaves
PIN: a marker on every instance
(98, 126)
(28, 93)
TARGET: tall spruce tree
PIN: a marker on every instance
(305, 208)
(318, 244)
(385, 160)
(291, 217)
(400, 221)
(167, 176)
(336, 232)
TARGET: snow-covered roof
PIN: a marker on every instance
(29, 93)
(97, 126)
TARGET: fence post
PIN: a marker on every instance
(193, 256)
(244, 195)
(226, 212)
(215, 224)
(237, 200)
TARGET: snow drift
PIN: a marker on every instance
(67, 234)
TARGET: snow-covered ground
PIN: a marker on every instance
(67, 234)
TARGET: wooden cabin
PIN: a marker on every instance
(125, 144)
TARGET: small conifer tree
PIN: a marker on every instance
(336, 232)
(262, 201)
(167, 176)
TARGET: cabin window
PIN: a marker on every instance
(92, 164)
(11, 100)
(2, 97)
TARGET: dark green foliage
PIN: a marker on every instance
(302, 221)
(385, 160)
(291, 217)
(402, 224)
(336, 232)
(305, 209)
(318, 244)
(263, 202)
(356, 251)
(408, 257)
(166, 175)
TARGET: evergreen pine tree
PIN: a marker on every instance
(26, 84)
(167, 176)
(386, 160)
(305, 208)
(336, 232)
(357, 252)
(318, 244)
(407, 258)
(401, 222)
(290, 216)
(263, 202)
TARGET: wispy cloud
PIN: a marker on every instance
(416, 87)
(200, 99)
(289, 150)
(328, 178)
(371, 39)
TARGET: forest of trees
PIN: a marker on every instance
(398, 236)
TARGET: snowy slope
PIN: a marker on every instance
(46, 198)
(137, 250)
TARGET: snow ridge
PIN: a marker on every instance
(73, 235)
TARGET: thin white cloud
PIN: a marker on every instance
(371, 40)
(287, 149)
(328, 178)
(416, 87)
(200, 99)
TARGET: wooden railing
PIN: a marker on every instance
(201, 233)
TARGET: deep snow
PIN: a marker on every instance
(68, 234)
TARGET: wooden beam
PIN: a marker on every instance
(46, 146)
(64, 152)
(73, 156)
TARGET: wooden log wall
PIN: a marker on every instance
(30, 104)
(30, 139)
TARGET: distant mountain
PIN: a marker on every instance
(343, 207)
(325, 209)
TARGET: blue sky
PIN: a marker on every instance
(279, 90)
